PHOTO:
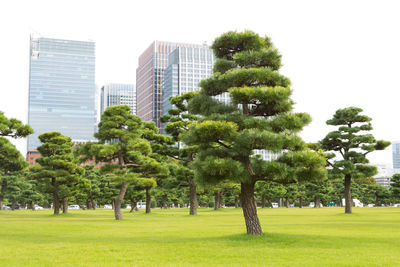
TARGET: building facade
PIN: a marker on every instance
(61, 89)
(149, 79)
(396, 155)
(187, 67)
(118, 94)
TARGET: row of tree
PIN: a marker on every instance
(210, 145)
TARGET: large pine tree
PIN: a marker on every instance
(258, 117)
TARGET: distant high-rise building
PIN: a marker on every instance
(118, 94)
(187, 66)
(149, 79)
(396, 155)
(61, 88)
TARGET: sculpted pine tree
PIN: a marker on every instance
(258, 117)
(122, 144)
(351, 145)
(13, 127)
(178, 122)
(57, 166)
(10, 158)
(395, 187)
(11, 161)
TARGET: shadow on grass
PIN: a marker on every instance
(268, 240)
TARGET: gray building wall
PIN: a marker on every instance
(118, 94)
(61, 88)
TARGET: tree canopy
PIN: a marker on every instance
(350, 145)
(258, 117)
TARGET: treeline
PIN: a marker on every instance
(207, 157)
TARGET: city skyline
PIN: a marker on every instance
(332, 63)
(61, 89)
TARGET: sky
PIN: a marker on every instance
(336, 53)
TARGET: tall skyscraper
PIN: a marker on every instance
(149, 79)
(61, 88)
(396, 155)
(187, 66)
(118, 94)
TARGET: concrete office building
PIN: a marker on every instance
(118, 94)
(61, 89)
(396, 155)
(149, 79)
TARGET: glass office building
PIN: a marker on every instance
(118, 94)
(187, 67)
(61, 89)
(396, 155)
(149, 79)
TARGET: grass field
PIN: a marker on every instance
(293, 237)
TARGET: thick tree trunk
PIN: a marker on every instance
(287, 202)
(91, 201)
(32, 205)
(193, 197)
(133, 206)
(148, 201)
(2, 189)
(249, 209)
(263, 201)
(118, 201)
(347, 194)
(316, 202)
(65, 205)
(13, 205)
(165, 204)
(216, 199)
(88, 204)
(56, 202)
(113, 204)
(300, 202)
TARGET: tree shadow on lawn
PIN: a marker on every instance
(268, 240)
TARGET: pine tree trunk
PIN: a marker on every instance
(56, 202)
(287, 202)
(148, 200)
(118, 201)
(133, 206)
(236, 202)
(193, 197)
(92, 205)
(32, 205)
(300, 202)
(263, 200)
(249, 209)
(13, 205)
(3, 188)
(316, 202)
(216, 199)
(165, 204)
(347, 194)
(113, 204)
(65, 205)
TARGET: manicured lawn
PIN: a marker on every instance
(293, 237)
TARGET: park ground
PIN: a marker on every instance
(292, 237)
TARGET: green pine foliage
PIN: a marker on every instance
(349, 146)
(259, 116)
(57, 169)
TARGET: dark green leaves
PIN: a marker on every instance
(13, 127)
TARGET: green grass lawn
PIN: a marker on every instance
(292, 237)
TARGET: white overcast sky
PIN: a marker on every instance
(336, 53)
